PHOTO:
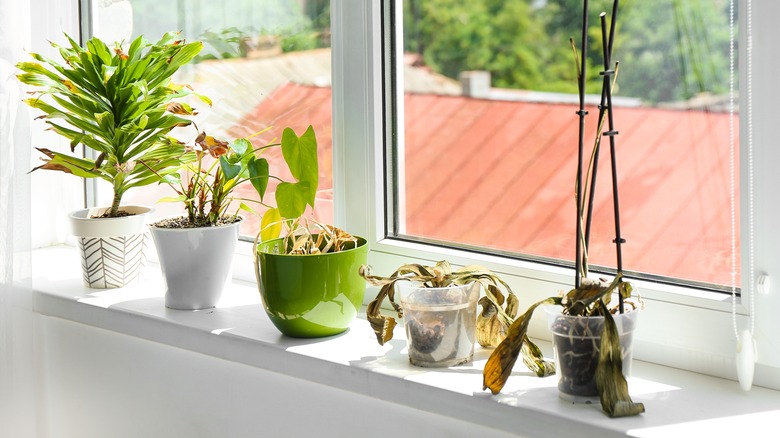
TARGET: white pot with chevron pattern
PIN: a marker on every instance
(113, 250)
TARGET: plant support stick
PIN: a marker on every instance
(611, 133)
(581, 113)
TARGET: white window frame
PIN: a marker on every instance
(682, 326)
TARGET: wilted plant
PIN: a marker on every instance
(307, 236)
(499, 304)
(122, 105)
(589, 298)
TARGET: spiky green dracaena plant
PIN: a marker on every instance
(120, 104)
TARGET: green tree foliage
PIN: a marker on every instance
(675, 49)
(669, 50)
(502, 37)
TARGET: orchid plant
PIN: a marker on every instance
(589, 297)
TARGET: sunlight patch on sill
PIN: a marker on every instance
(111, 297)
(222, 330)
(245, 297)
(341, 348)
(646, 387)
(735, 425)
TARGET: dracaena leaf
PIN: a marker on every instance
(180, 108)
(172, 178)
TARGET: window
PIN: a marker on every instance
(685, 327)
(488, 155)
(264, 64)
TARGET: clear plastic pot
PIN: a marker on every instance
(577, 341)
(440, 323)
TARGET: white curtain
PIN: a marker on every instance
(17, 353)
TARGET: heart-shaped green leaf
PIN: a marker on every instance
(291, 199)
(300, 154)
(240, 146)
(231, 171)
(258, 175)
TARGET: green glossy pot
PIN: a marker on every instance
(308, 296)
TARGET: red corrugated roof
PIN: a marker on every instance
(500, 174)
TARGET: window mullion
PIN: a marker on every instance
(357, 117)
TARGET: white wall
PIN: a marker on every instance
(98, 384)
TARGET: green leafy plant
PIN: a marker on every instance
(205, 185)
(225, 44)
(119, 104)
(499, 304)
(302, 234)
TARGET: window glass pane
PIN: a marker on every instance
(265, 63)
(489, 151)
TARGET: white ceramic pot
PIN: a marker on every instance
(196, 263)
(112, 249)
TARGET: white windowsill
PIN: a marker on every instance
(678, 403)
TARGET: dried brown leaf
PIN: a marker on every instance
(502, 360)
(535, 361)
(48, 165)
(490, 329)
(581, 301)
(382, 325)
(610, 381)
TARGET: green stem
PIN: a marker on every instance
(115, 203)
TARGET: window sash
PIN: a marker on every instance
(360, 180)
(396, 217)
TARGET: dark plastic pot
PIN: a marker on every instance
(576, 341)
